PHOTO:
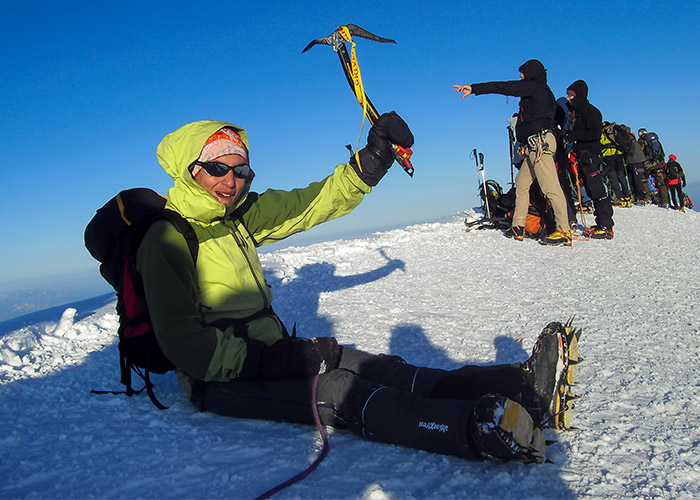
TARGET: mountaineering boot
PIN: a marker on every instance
(516, 232)
(546, 372)
(562, 419)
(550, 372)
(599, 233)
(500, 429)
(558, 238)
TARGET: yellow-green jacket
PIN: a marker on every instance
(609, 148)
(227, 281)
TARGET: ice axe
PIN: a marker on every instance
(337, 40)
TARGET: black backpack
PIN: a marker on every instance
(113, 237)
(673, 170)
(654, 150)
(620, 137)
(539, 221)
(491, 198)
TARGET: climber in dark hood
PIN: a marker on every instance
(588, 121)
(533, 70)
(577, 94)
(585, 137)
(537, 103)
(535, 133)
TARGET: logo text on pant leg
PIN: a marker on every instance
(434, 426)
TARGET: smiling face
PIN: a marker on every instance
(226, 189)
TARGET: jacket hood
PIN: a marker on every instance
(580, 88)
(534, 70)
(176, 152)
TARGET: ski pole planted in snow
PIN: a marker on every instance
(511, 148)
(481, 176)
(337, 40)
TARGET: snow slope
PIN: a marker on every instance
(431, 293)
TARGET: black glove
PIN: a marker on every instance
(378, 156)
(683, 181)
(290, 358)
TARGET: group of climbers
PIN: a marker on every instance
(633, 164)
(536, 132)
(564, 144)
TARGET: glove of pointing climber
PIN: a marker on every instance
(378, 156)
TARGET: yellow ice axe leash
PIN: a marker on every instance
(358, 87)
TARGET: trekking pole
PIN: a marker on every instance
(574, 168)
(475, 155)
(351, 69)
(481, 177)
(511, 145)
(483, 180)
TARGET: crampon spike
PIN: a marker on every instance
(577, 333)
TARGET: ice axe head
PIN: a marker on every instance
(337, 40)
(340, 36)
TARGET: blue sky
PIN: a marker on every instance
(90, 88)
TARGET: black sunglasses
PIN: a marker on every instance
(218, 169)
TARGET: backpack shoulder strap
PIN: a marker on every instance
(174, 218)
(184, 228)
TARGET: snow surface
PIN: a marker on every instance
(431, 293)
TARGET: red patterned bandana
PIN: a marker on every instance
(222, 143)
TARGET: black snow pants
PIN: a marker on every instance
(617, 176)
(636, 172)
(675, 190)
(378, 397)
(590, 165)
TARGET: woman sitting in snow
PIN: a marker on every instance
(213, 320)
